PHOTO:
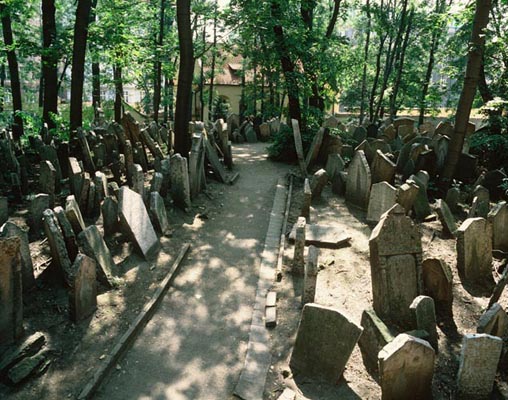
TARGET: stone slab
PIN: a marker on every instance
(322, 235)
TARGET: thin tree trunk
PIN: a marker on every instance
(158, 64)
(166, 97)
(376, 78)
(202, 78)
(117, 77)
(49, 63)
(212, 68)
(96, 68)
(78, 62)
(365, 59)
(12, 60)
(474, 63)
(2, 84)
(185, 74)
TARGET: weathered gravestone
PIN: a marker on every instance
(438, 284)
(406, 195)
(67, 232)
(307, 198)
(452, 199)
(73, 214)
(83, 293)
(421, 204)
(424, 318)
(318, 183)
(180, 185)
(359, 134)
(39, 203)
(334, 166)
(314, 147)
(446, 218)
(298, 255)
(474, 252)
(383, 169)
(375, 336)
(310, 278)
(498, 217)
(406, 368)
(324, 343)
(92, 244)
(478, 364)
(11, 230)
(382, 197)
(158, 213)
(196, 165)
(136, 223)
(138, 179)
(395, 263)
(494, 322)
(358, 181)
(47, 180)
(109, 210)
(11, 293)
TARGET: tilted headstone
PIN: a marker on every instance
(73, 214)
(67, 232)
(324, 342)
(92, 244)
(314, 147)
(367, 149)
(406, 368)
(498, 217)
(37, 206)
(47, 180)
(406, 195)
(11, 293)
(83, 197)
(395, 263)
(438, 284)
(494, 322)
(298, 255)
(382, 197)
(383, 169)
(10, 230)
(158, 213)
(75, 176)
(83, 293)
(358, 181)
(310, 278)
(424, 318)
(180, 185)
(136, 223)
(48, 153)
(334, 165)
(474, 252)
(478, 365)
(375, 336)
(318, 183)
(446, 218)
(109, 210)
(421, 205)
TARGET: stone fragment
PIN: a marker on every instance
(494, 322)
(47, 178)
(382, 197)
(136, 223)
(446, 218)
(83, 293)
(158, 213)
(310, 278)
(25, 368)
(498, 217)
(358, 181)
(406, 368)
(109, 210)
(11, 230)
(11, 292)
(73, 214)
(424, 318)
(478, 364)
(324, 342)
(307, 198)
(383, 169)
(395, 262)
(375, 336)
(438, 284)
(180, 185)
(322, 235)
(92, 244)
(14, 354)
(318, 183)
(474, 252)
(298, 255)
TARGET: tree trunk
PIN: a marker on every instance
(49, 63)
(12, 60)
(2, 84)
(474, 63)
(96, 68)
(158, 64)
(117, 77)
(202, 78)
(185, 74)
(78, 62)
(365, 59)
(212, 68)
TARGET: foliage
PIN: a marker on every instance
(283, 145)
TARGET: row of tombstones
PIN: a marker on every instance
(405, 364)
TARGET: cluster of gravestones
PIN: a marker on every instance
(102, 172)
(250, 131)
(398, 338)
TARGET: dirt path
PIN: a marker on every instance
(194, 347)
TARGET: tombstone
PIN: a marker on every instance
(395, 263)
(332, 144)
(421, 204)
(310, 278)
(324, 342)
(264, 131)
(452, 199)
(92, 244)
(4, 210)
(101, 188)
(250, 134)
(347, 151)
(298, 255)
(83, 293)
(478, 365)
(446, 218)
(47, 179)
(39, 203)
(299, 147)
(99, 151)
(85, 149)
(444, 128)
(11, 230)
(138, 180)
(135, 222)
(493, 181)
(494, 322)
(129, 159)
(11, 292)
(90, 201)
(441, 145)
(109, 210)
(405, 131)
(390, 132)
(196, 165)
(139, 155)
(158, 213)
(426, 161)
(83, 197)
(498, 217)
(368, 151)
(482, 193)
(474, 252)
(466, 170)
(382, 197)
(372, 130)
(307, 198)
(331, 122)
(314, 147)
(75, 176)
(73, 214)
(48, 153)
(156, 184)
(438, 284)
(318, 183)
(424, 318)
(359, 134)
(406, 195)
(67, 232)
(478, 208)
(358, 181)
(57, 246)
(375, 336)
(403, 121)
(383, 169)
(180, 185)
(334, 165)
(165, 170)
(406, 368)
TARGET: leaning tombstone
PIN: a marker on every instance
(406, 195)
(395, 263)
(358, 181)
(47, 179)
(406, 368)
(83, 293)
(494, 322)
(375, 336)
(498, 217)
(324, 342)
(383, 169)
(452, 199)
(158, 213)
(424, 318)
(438, 284)
(446, 218)
(73, 214)
(478, 365)
(109, 210)
(11, 293)
(318, 183)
